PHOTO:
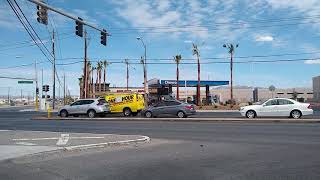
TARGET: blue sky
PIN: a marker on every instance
(169, 27)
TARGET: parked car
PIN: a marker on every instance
(277, 107)
(175, 108)
(91, 107)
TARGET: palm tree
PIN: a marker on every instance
(81, 84)
(195, 51)
(88, 76)
(105, 64)
(92, 83)
(99, 68)
(177, 59)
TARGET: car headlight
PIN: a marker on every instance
(241, 109)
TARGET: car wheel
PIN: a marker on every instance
(148, 114)
(91, 113)
(127, 112)
(251, 114)
(295, 114)
(181, 114)
(64, 113)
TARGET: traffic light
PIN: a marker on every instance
(37, 90)
(42, 15)
(79, 28)
(45, 88)
(104, 37)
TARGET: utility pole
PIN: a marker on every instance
(196, 52)
(64, 89)
(41, 86)
(127, 64)
(145, 78)
(84, 88)
(9, 96)
(54, 73)
(37, 88)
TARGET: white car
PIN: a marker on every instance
(277, 107)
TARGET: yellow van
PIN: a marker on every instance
(127, 103)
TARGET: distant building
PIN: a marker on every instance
(316, 88)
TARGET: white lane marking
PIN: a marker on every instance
(27, 110)
(63, 140)
(55, 138)
(4, 130)
(35, 139)
(98, 137)
(25, 143)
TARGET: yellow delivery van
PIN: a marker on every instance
(126, 103)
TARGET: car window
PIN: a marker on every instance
(85, 102)
(76, 103)
(172, 103)
(284, 102)
(272, 102)
(102, 101)
(159, 104)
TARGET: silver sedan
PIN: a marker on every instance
(174, 108)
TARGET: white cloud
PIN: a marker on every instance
(264, 38)
(317, 61)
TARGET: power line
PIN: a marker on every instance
(204, 58)
(27, 28)
(32, 28)
(208, 62)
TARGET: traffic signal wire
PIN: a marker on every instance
(29, 31)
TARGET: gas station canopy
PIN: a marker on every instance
(193, 83)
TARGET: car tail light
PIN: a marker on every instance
(309, 107)
(189, 107)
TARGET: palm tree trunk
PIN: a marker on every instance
(104, 79)
(92, 85)
(177, 81)
(100, 80)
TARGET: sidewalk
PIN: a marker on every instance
(20, 143)
(237, 120)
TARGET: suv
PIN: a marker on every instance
(91, 107)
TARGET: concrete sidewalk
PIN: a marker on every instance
(20, 143)
(240, 119)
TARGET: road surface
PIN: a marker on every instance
(178, 150)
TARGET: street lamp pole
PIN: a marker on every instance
(146, 89)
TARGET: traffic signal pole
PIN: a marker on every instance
(37, 88)
(54, 73)
(85, 67)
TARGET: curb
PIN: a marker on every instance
(212, 120)
(100, 145)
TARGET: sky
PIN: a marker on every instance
(266, 30)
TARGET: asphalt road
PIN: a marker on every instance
(178, 150)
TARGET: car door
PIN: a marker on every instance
(269, 108)
(74, 107)
(159, 109)
(172, 107)
(85, 106)
(284, 107)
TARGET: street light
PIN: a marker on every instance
(231, 49)
(146, 90)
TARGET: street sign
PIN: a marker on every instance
(25, 82)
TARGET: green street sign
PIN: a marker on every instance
(25, 82)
